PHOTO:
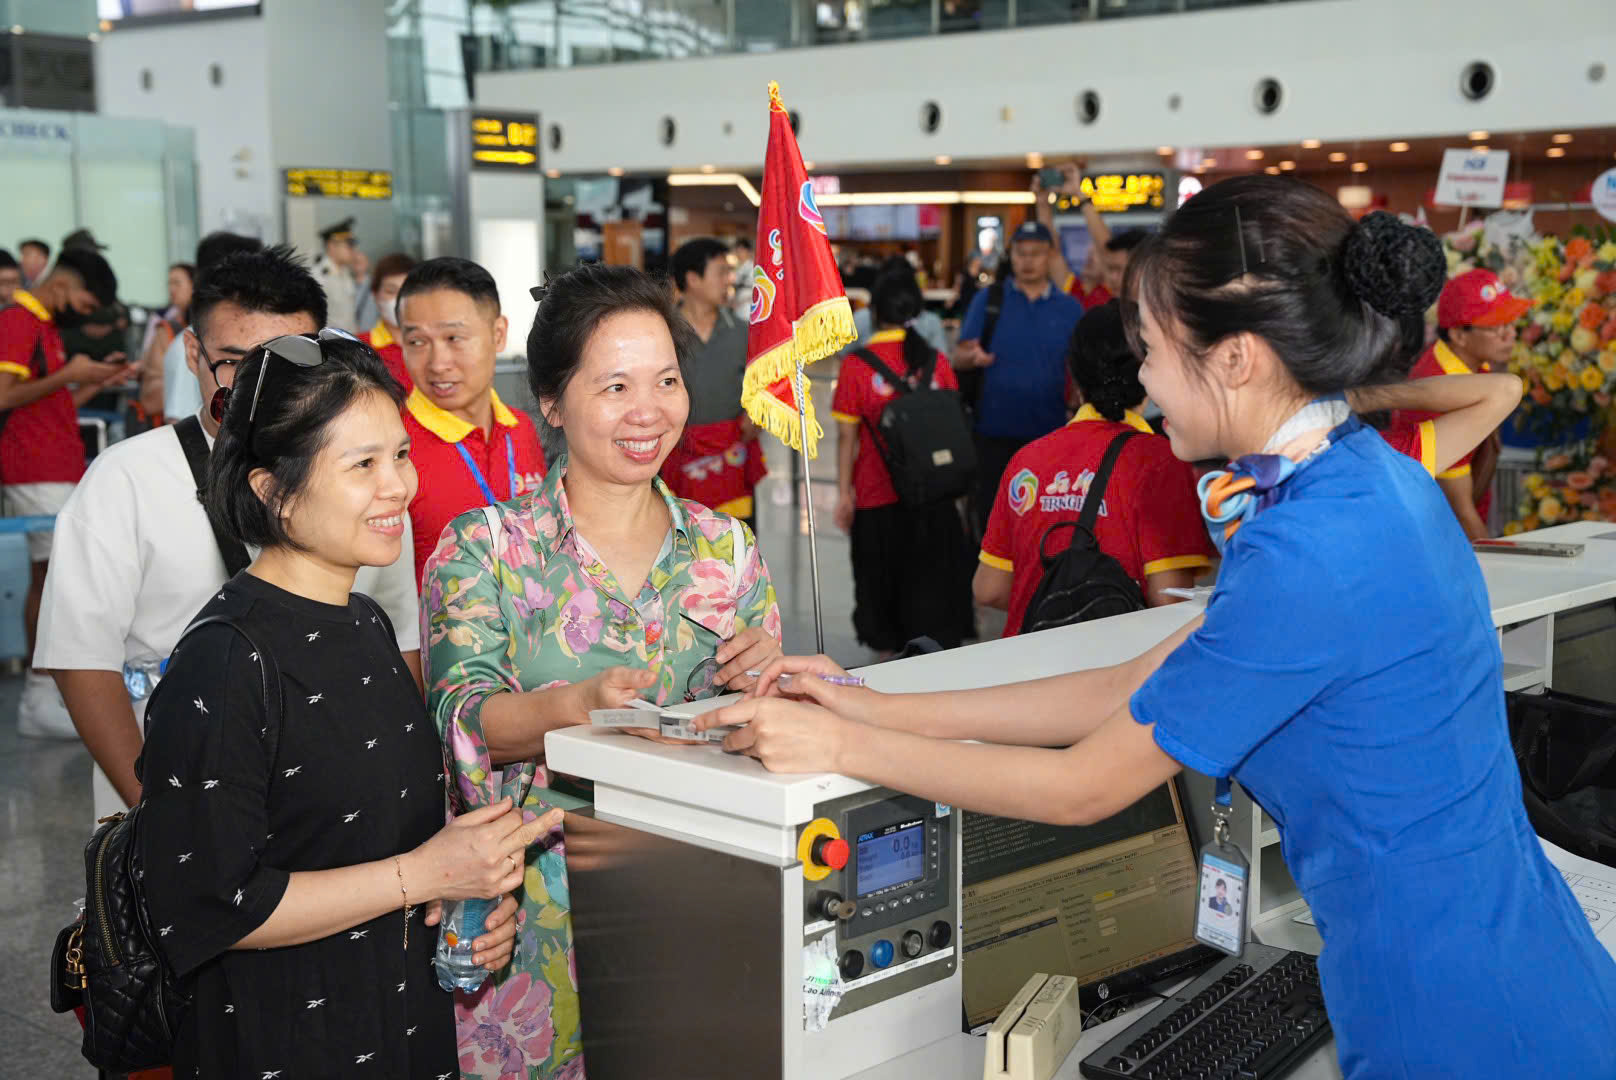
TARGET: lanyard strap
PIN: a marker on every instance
(477, 474)
(1222, 810)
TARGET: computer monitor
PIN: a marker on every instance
(1111, 902)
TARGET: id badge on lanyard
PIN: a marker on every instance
(1220, 898)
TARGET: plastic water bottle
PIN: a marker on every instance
(463, 921)
(140, 677)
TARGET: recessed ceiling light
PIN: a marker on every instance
(1035, 160)
(1360, 166)
(554, 174)
(1399, 147)
(1207, 163)
(1287, 165)
(1478, 136)
(1311, 144)
(1272, 170)
(709, 168)
(942, 159)
(1254, 155)
(808, 165)
(1563, 137)
(1338, 156)
(1556, 151)
(1164, 150)
(1200, 169)
(614, 171)
(1482, 149)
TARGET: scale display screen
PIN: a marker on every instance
(894, 855)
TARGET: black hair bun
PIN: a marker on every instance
(1397, 269)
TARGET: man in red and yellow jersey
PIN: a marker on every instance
(718, 461)
(1475, 318)
(468, 447)
(41, 452)
(1149, 519)
(385, 282)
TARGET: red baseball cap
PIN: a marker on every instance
(1478, 298)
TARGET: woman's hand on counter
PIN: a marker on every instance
(751, 649)
(787, 736)
(613, 688)
(768, 683)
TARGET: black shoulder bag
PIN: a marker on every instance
(195, 445)
(108, 960)
(1083, 582)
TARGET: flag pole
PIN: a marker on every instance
(801, 387)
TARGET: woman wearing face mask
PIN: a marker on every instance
(594, 589)
(385, 337)
(290, 855)
(1346, 671)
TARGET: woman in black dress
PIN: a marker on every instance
(293, 876)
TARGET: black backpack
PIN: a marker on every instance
(923, 436)
(1083, 582)
(107, 960)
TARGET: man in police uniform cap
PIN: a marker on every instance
(334, 271)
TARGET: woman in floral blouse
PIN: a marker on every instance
(599, 587)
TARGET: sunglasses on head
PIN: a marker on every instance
(299, 350)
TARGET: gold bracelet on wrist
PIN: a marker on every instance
(398, 868)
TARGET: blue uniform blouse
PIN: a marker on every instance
(1349, 676)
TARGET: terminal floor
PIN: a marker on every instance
(45, 786)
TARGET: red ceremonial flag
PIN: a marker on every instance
(799, 310)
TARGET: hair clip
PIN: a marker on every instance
(1240, 237)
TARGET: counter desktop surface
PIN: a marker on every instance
(725, 790)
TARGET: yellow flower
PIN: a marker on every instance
(1549, 509)
(1563, 320)
(1592, 378)
(1512, 528)
(1575, 298)
(1607, 360)
(1553, 381)
(1536, 484)
(1584, 340)
(1607, 251)
(1584, 279)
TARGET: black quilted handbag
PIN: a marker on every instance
(107, 961)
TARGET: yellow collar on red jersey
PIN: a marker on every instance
(446, 425)
(1131, 418)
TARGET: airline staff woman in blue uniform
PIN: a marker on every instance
(1346, 671)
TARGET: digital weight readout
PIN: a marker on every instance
(891, 856)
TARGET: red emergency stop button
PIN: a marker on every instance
(831, 852)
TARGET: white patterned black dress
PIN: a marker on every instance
(357, 776)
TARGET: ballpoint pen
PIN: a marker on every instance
(834, 680)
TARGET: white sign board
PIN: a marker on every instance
(1604, 194)
(1472, 179)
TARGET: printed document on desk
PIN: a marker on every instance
(1594, 886)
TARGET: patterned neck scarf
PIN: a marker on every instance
(1230, 497)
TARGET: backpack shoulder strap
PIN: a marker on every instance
(195, 445)
(1102, 476)
(990, 320)
(269, 675)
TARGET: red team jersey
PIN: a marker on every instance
(40, 443)
(1089, 298)
(1150, 519)
(391, 352)
(860, 396)
(1417, 440)
(448, 486)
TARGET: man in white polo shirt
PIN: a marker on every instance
(135, 557)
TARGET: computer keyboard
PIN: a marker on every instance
(1254, 1017)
